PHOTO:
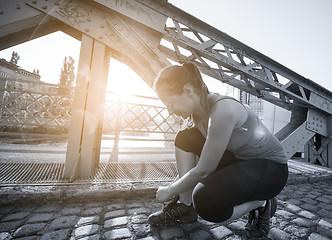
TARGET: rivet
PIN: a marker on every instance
(87, 30)
(102, 26)
(44, 7)
(34, 1)
(89, 19)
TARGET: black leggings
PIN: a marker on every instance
(234, 182)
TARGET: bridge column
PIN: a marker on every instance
(83, 149)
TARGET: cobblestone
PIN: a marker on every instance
(86, 230)
(29, 229)
(56, 235)
(16, 216)
(118, 234)
(114, 222)
(300, 215)
(88, 220)
(40, 217)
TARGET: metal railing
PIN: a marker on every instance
(34, 108)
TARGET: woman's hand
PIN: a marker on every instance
(163, 194)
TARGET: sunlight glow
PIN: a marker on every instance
(124, 82)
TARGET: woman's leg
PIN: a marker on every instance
(185, 161)
(233, 191)
(188, 147)
(244, 208)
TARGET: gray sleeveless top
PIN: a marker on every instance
(253, 140)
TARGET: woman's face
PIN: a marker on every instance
(181, 105)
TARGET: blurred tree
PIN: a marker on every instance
(67, 75)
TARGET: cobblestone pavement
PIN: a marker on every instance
(304, 212)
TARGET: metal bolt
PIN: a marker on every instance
(34, 1)
(44, 7)
(87, 30)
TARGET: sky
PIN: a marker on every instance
(295, 33)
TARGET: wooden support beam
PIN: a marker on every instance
(85, 132)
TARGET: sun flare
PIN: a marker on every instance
(124, 82)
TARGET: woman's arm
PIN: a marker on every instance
(225, 116)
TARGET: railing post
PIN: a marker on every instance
(115, 151)
(2, 93)
(83, 150)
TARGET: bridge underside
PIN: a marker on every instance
(147, 36)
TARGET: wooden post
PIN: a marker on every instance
(83, 149)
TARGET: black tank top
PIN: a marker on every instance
(252, 140)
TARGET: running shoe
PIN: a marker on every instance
(259, 226)
(172, 212)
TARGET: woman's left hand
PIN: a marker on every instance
(163, 194)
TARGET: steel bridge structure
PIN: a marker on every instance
(148, 36)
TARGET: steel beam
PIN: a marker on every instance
(146, 35)
(131, 42)
(83, 149)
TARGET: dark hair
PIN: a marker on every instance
(172, 79)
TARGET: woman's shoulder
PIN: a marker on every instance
(217, 97)
(225, 106)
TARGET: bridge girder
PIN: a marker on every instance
(147, 35)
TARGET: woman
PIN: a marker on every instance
(229, 164)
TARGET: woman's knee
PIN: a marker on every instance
(190, 140)
(210, 207)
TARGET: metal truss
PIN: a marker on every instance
(148, 35)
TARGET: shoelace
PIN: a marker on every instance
(171, 203)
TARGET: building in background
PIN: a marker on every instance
(13, 71)
(13, 82)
